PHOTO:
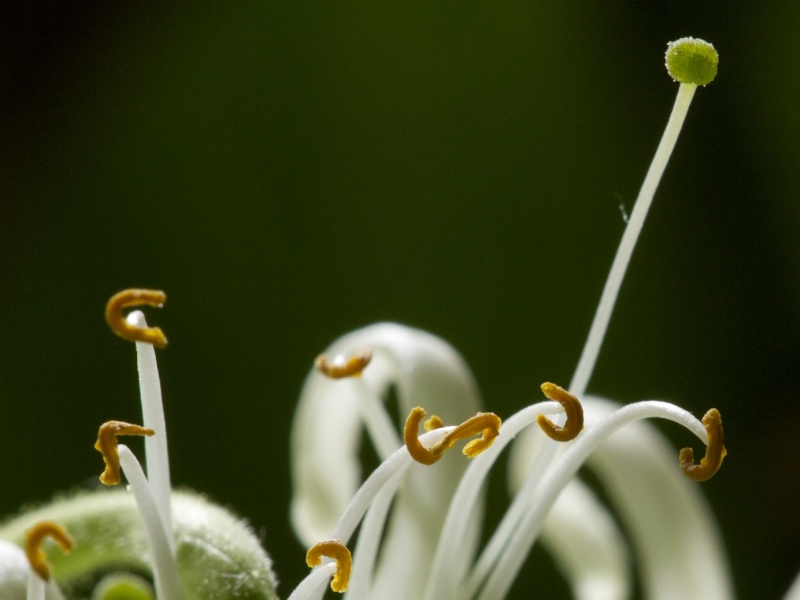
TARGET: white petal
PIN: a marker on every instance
(794, 591)
(587, 545)
(14, 570)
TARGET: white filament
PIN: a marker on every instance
(313, 586)
(377, 421)
(35, 586)
(157, 455)
(394, 466)
(165, 568)
(445, 570)
(369, 539)
(517, 546)
(386, 476)
(602, 316)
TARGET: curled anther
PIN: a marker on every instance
(106, 444)
(339, 370)
(487, 425)
(715, 450)
(128, 299)
(572, 408)
(336, 550)
(33, 545)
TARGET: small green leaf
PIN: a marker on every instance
(692, 60)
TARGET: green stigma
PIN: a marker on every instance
(692, 60)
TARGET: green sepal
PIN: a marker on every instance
(218, 555)
(692, 60)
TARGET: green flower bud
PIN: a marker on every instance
(218, 555)
(692, 60)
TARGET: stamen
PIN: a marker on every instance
(715, 450)
(499, 571)
(337, 370)
(572, 408)
(33, 547)
(336, 550)
(129, 299)
(486, 424)
(107, 445)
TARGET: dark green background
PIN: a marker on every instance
(290, 171)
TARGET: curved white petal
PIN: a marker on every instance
(587, 545)
(326, 435)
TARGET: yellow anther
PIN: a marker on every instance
(33, 546)
(433, 423)
(128, 299)
(572, 408)
(336, 550)
(106, 444)
(352, 368)
(485, 424)
(715, 450)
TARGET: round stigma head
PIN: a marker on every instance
(692, 60)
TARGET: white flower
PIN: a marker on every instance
(429, 547)
(420, 524)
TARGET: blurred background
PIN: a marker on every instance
(288, 172)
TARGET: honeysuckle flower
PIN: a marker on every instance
(430, 540)
(673, 532)
(419, 514)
